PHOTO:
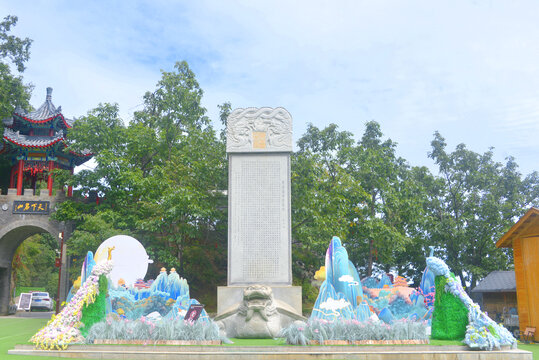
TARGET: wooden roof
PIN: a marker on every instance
(527, 225)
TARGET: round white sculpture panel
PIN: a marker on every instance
(129, 257)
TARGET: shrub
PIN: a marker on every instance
(300, 333)
(116, 328)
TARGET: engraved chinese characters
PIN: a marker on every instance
(31, 207)
(259, 142)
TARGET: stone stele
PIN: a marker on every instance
(259, 143)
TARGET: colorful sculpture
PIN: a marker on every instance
(480, 331)
(344, 296)
(165, 299)
(65, 328)
(341, 295)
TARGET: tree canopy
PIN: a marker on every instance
(471, 204)
(14, 53)
(161, 178)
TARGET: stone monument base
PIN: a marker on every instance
(258, 314)
(230, 296)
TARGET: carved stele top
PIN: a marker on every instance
(259, 130)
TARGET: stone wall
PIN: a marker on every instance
(15, 228)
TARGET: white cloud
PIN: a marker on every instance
(332, 304)
(346, 278)
(467, 69)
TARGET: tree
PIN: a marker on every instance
(161, 177)
(472, 204)
(321, 193)
(33, 263)
(384, 222)
(14, 51)
(360, 191)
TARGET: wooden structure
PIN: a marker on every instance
(523, 237)
(35, 144)
(527, 335)
(497, 294)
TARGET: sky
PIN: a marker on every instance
(468, 69)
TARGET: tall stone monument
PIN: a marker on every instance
(259, 143)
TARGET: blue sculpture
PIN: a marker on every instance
(176, 286)
(341, 294)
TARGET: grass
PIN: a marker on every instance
(445, 342)
(534, 348)
(20, 330)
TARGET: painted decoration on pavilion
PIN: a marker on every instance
(35, 144)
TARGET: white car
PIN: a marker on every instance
(41, 300)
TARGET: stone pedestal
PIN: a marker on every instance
(230, 296)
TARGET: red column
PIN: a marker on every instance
(19, 177)
(12, 177)
(49, 182)
(70, 188)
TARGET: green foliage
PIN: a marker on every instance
(96, 311)
(385, 222)
(472, 204)
(450, 316)
(13, 92)
(27, 289)
(33, 264)
(388, 213)
(159, 178)
(16, 51)
(361, 192)
(320, 200)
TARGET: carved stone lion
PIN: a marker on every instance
(258, 315)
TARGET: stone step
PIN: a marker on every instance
(273, 352)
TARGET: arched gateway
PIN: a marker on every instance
(16, 226)
(33, 145)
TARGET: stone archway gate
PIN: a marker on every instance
(21, 217)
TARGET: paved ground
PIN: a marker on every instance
(31, 315)
(135, 352)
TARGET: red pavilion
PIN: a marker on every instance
(35, 142)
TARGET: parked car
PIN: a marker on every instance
(41, 300)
